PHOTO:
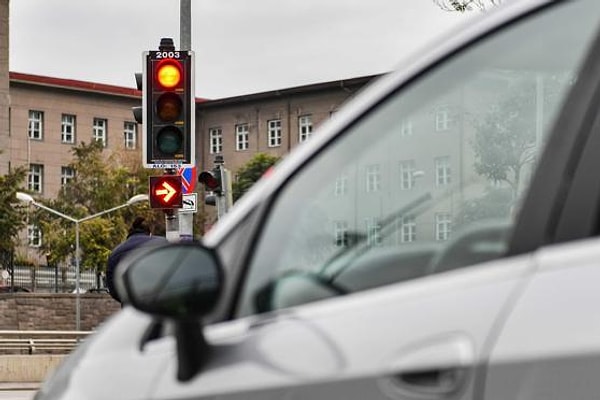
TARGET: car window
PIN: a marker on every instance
(429, 181)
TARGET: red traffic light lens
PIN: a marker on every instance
(169, 107)
(168, 75)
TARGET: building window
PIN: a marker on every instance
(67, 128)
(242, 137)
(66, 175)
(373, 178)
(130, 135)
(35, 178)
(406, 128)
(99, 130)
(274, 132)
(304, 127)
(34, 236)
(36, 125)
(341, 185)
(443, 226)
(442, 119)
(373, 232)
(215, 136)
(407, 174)
(442, 171)
(340, 232)
(408, 229)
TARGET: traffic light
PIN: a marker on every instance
(212, 180)
(165, 191)
(168, 108)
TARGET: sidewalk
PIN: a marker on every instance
(19, 385)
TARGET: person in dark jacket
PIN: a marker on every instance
(139, 235)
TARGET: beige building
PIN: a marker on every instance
(43, 118)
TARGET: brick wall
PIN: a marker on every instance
(50, 311)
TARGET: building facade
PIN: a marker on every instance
(47, 117)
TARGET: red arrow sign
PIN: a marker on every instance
(165, 191)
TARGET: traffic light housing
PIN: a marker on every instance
(165, 191)
(168, 108)
(212, 180)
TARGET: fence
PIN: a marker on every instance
(50, 279)
(36, 342)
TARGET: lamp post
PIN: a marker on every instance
(26, 198)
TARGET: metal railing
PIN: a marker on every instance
(40, 342)
(49, 279)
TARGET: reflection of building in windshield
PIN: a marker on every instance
(473, 149)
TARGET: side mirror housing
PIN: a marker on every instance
(179, 281)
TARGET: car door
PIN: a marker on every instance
(548, 347)
(383, 266)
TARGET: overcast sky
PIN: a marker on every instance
(241, 46)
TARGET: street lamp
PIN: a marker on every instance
(26, 198)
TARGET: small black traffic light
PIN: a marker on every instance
(212, 180)
(168, 108)
(165, 191)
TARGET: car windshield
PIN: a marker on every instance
(433, 179)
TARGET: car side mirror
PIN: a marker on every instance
(183, 282)
(178, 281)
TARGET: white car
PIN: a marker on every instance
(437, 239)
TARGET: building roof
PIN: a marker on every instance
(101, 88)
(344, 84)
(72, 84)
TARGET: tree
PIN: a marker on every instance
(465, 5)
(505, 140)
(12, 217)
(250, 172)
(101, 182)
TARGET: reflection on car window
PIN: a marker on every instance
(430, 181)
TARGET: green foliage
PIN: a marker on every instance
(12, 215)
(101, 182)
(250, 172)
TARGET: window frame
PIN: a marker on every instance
(274, 132)
(215, 140)
(130, 135)
(242, 137)
(35, 125)
(64, 127)
(100, 132)
(305, 127)
(35, 178)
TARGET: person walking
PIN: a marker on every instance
(139, 235)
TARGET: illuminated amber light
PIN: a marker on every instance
(168, 75)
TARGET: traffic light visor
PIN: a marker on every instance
(168, 74)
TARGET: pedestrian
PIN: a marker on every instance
(139, 235)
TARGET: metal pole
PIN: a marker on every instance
(77, 294)
(185, 24)
(185, 221)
